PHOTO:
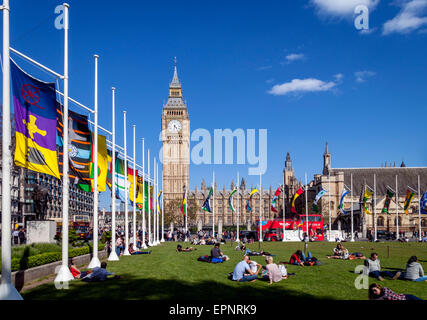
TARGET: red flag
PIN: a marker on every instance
(299, 192)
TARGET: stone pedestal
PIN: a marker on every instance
(219, 228)
(41, 231)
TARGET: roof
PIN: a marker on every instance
(406, 176)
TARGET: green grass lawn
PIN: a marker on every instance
(166, 274)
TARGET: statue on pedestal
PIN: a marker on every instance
(41, 198)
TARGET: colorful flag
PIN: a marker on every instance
(248, 203)
(158, 202)
(408, 200)
(423, 203)
(131, 183)
(230, 200)
(120, 181)
(103, 164)
(34, 103)
(318, 196)
(341, 206)
(184, 205)
(366, 197)
(79, 147)
(299, 192)
(206, 205)
(276, 195)
(389, 196)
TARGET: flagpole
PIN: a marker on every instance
(150, 243)
(260, 208)
(144, 246)
(64, 273)
(306, 207)
(374, 208)
(186, 220)
(113, 255)
(157, 204)
(154, 202)
(95, 261)
(238, 217)
(163, 215)
(213, 204)
(397, 211)
(126, 252)
(134, 187)
(7, 289)
(329, 208)
(351, 204)
(284, 212)
(419, 210)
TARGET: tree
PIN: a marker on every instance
(174, 214)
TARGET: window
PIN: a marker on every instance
(380, 222)
(423, 222)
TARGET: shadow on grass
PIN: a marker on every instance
(130, 288)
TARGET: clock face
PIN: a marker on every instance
(174, 126)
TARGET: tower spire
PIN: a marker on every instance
(175, 81)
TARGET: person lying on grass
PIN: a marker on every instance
(376, 292)
(132, 251)
(243, 273)
(100, 274)
(342, 253)
(254, 253)
(77, 274)
(374, 269)
(273, 272)
(216, 254)
(180, 249)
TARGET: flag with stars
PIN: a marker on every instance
(34, 104)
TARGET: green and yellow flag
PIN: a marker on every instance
(366, 197)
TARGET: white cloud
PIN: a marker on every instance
(294, 56)
(412, 16)
(338, 76)
(361, 76)
(341, 8)
(301, 85)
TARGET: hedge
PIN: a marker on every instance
(48, 257)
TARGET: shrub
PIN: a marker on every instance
(27, 261)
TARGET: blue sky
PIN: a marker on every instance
(299, 69)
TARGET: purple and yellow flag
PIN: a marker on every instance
(34, 102)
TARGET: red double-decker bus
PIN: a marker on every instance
(272, 230)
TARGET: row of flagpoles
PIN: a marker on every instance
(346, 190)
(34, 95)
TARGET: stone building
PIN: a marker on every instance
(334, 179)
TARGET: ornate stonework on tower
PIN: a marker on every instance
(176, 142)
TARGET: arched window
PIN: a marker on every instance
(380, 222)
(423, 222)
(400, 222)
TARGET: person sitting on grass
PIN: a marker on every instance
(243, 273)
(342, 253)
(132, 251)
(376, 292)
(180, 249)
(297, 258)
(374, 269)
(77, 274)
(273, 272)
(100, 274)
(255, 266)
(217, 255)
(414, 271)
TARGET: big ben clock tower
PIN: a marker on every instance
(176, 143)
